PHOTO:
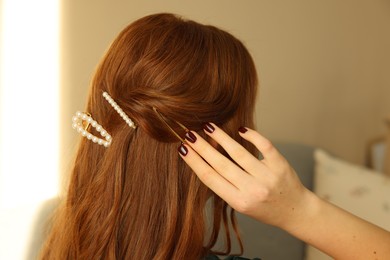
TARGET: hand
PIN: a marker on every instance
(268, 190)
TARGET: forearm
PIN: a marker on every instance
(337, 232)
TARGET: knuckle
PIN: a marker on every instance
(224, 166)
(205, 175)
(249, 201)
(244, 206)
(261, 194)
(239, 152)
(284, 169)
(267, 146)
(201, 148)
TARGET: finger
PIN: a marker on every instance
(225, 167)
(270, 153)
(223, 188)
(237, 152)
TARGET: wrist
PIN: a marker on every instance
(303, 214)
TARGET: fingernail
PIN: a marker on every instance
(208, 127)
(182, 150)
(190, 137)
(242, 130)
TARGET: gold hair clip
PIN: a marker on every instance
(86, 124)
(169, 127)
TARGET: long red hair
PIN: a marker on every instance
(137, 199)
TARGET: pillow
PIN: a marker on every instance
(361, 191)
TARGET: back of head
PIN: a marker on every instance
(137, 199)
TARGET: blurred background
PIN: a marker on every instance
(324, 70)
(324, 66)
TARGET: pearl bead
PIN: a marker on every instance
(80, 127)
(119, 110)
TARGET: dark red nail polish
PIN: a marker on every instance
(190, 137)
(242, 130)
(208, 127)
(183, 150)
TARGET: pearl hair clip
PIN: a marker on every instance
(119, 110)
(81, 122)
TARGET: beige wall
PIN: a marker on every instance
(324, 65)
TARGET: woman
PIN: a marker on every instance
(133, 197)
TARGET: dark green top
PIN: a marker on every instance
(214, 257)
